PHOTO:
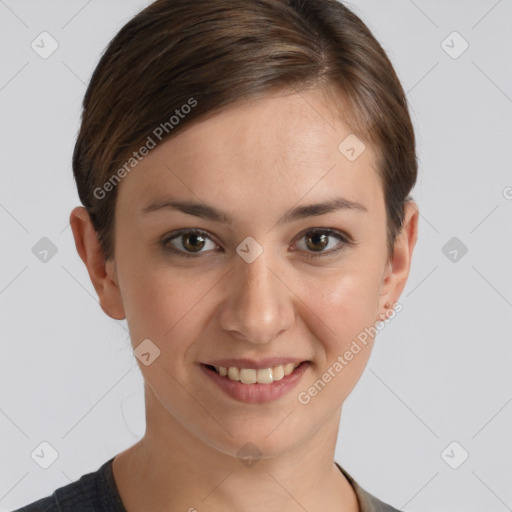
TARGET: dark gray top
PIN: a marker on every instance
(97, 492)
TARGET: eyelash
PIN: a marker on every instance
(344, 239)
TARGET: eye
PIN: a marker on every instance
(193, 240)
(317, 240)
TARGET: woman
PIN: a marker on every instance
(245, 169)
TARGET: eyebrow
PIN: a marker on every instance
(209, 212)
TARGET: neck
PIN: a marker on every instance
(171, 469)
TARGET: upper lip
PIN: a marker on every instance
(251, 363)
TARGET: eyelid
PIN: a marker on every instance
(344, 239)
(166, 239)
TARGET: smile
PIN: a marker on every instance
(252, 385)
(253, 376)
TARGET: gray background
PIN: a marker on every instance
(440, 372)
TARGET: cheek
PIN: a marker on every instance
(346, 303)
(343, 320)
(158, 299)
(170, 307)
(346, 297)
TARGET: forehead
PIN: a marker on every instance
(281, 147)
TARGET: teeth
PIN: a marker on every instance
(265, 376)
(252, 376)
(248, 376)
(233, 373)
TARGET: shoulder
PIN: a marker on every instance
(78, 496)
(43, 505)
(367, 502)
(93, 492)
(370, 503)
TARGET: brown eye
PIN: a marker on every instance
(193, 242)
(187, 242)
(317, 240)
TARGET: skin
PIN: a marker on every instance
(256, 161)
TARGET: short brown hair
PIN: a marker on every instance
(213, 53)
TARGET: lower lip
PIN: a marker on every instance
(257, 393)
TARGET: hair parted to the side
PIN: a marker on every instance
(213, 53)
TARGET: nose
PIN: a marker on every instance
(259, 304)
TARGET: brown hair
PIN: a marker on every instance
(208, 54)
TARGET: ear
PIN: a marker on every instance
(397, 269)
(101, 272)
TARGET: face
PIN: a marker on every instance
(256, 281)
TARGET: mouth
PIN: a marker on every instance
(256, 386)
(253, 375)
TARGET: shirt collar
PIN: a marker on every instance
(367, 502)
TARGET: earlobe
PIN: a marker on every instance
(397, 269)
(101, 272)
